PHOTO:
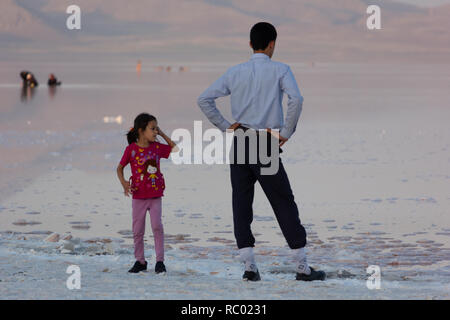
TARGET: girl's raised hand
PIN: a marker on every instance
(159, 131)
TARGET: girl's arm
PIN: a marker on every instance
(169, 141)
(125, 184)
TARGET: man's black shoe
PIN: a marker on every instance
(251, 276)
(314, 275)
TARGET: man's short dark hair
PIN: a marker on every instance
(261, 34)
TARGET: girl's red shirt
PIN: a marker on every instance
(147, 181)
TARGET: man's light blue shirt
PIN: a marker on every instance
(256, 89)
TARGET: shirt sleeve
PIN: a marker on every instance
(206, 102)
(164, 150)
(126, 157)
(295, 103)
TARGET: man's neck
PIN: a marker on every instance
(261, 51)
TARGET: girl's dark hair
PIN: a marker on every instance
(261, 34)
(140, 122)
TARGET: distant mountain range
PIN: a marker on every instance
(214, 30)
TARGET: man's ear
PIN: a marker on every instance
(250, 44)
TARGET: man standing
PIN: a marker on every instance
(257, 89)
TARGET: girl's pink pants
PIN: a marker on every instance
(140, 207)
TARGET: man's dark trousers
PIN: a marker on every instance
(277, 190)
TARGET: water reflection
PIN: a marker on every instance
(52, 91)
(27, 93)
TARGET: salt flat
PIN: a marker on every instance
(369, 167)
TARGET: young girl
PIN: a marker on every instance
(147, 185)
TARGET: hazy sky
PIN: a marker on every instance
(202, 30)
(425, 3)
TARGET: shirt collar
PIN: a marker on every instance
(260, 56)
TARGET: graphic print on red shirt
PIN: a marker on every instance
(147, 179)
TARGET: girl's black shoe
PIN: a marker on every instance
(160, 267)
(138, 267)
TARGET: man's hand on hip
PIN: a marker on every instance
(277, 135)
(234, 126)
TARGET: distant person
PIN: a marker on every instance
(139, 67)
(143, 153)
(256, 89)
(28, 79)
(52, 81)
